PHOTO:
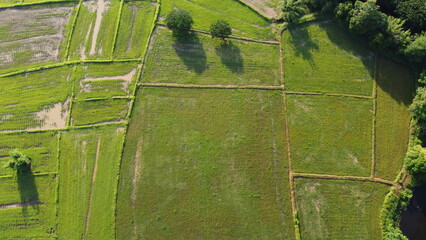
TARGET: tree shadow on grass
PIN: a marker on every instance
(230, 56)
(28, 191)
(303, 44)
(190, 50)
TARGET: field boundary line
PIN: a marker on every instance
(254, 10)
(20, 204)
(30, 130)
(207, 86)
(34, 174)
(24, 4)
(95, 169)
(103, 99)
(329, 94)
(58, 149)
(230, 37)
(373, 149)
(117, 26)
(68, 123)
(71, 33)
(337, 177)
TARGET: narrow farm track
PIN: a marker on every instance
(95, 169)
(329, 94)
(18, 205)
(336, 177)
(373, 152)
(177, 85)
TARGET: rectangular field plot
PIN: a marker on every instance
(105, 80)
(27, 207)
(198, 59)
(37, 100)
(265, 7)
(205, 164)
(395, 88)
(40, 147)
(321, 57)
(94, 30)
(242, 19)
(330, 135)
(335, 209)
(97, 111)
(137, 18)
(32, 35)
(88, 181)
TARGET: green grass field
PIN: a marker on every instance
(333, 209)
(23, 96)
(330, 135)
(244, 22)
(135, 27)
(321, 57)
(202, 60)
(88, 180)
(97, 111)
(207, 164)
(395, 89)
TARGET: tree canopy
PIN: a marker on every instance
(179, 21)
(220, 29)
(18, 161)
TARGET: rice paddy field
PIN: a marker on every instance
(135, 134)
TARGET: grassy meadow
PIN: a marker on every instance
(337, 141)
(321, 57)
(98, 111)
(336, 209)
(199, 59)
(207, 164)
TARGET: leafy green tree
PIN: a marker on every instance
(292, 10)
(18, 161)
(395, 38)
(366, 19)
(220, 29)
(414, 11)
(416, 51)
(342, 12)
(418, 107)
(179, 21)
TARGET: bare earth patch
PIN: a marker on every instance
(102, 7)
(263, 6)
(54, 117)
(17, 205)
(127, 79)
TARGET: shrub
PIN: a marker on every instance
(220, 29)
(416, 51)
(179, 21)
(291, 10)
(342, 12)
(418, 107)
(366, 19)
(18, 161)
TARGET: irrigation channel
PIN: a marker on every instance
(413, 220)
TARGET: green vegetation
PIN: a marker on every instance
(291, 10)
(336, 209)
(97, 111)
(19, 162)
(395, 87)
(246, 23)
(330, 142)
(220, 29)
(198, 59)
(88, 168)
(135, 26)
(179, 21)
(321, 57)
(214, 160)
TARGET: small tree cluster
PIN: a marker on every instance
(18, 161)
(220, 29)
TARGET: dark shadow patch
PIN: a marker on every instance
(230, 56)
(28, 191)
(303, 44)
(190, 50)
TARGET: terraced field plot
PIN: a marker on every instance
(331, 209)
(205, 164)
(32, 35)
(200, 60)
(321, 57)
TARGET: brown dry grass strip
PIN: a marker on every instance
(95, 169)
(329, 94)
(17, 205)
(336, 177)
(177, 85)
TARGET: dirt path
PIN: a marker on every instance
(373, 152)
(137, 172)
(126, 77)
(95, 169)
(329, 94)
(218, 86)
(17, 205)
(101, 8)
(336, 177)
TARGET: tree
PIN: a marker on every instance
(414, 11)
(416, 51)
(291, 10)
(179, 21)
(366, 19)
(18, 161)
(418, 107)
(220, 29)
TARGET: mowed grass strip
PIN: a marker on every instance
(395, 89)
(244, 21)
(330, 135)
(338, 209)
(208, 164)
(133, 34)
(28, 222)
(25, 97)
(79, 155)
(199, 59)
(97, 111)
(322, 57)
(40, 147)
